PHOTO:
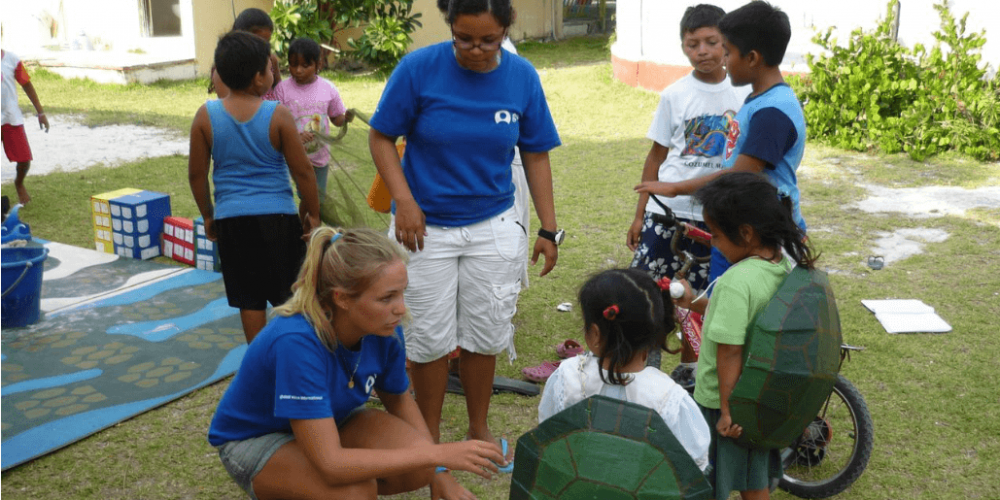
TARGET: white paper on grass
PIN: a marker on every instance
(906, 316)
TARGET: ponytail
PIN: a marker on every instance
(349, 260)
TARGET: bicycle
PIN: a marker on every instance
(834, 449)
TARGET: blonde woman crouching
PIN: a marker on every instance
(293, 423)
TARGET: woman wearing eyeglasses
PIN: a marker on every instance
(463, 106)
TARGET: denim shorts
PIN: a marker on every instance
(245, 459)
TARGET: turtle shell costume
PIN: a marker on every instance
(791, 362)
(603, 448)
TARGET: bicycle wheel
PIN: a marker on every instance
(834, 449)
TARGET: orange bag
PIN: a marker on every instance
(379, 198)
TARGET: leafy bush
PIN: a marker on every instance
(876, 95)
(387, 33)
(387, 27)
(298, 19)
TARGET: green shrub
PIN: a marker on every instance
(384, 40)
(386, 35)
(876, 95)
(298, 19)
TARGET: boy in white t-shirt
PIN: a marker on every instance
(689, 140)
(15, 142)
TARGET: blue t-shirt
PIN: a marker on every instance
(461, 127)
(772, 128)
(288, 374)
(250, 176)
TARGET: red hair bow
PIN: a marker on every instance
(664, 283)
(611, 312)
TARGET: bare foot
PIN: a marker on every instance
(22, 194)
(444, 486)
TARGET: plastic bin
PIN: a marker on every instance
(22, 285)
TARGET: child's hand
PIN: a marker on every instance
(309, 222)
(727, 428)
(667, 189)
(306, 137)
(686, 299)
(634, 235)
(210, 228)
(349, 116)
(43, 122)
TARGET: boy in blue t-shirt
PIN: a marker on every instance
(769, 133)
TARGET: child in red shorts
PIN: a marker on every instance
(15, 142)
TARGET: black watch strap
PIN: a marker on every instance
(555, 237)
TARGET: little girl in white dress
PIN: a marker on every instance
(625, 316)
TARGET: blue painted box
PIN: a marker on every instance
(136, 223)
(205, 250)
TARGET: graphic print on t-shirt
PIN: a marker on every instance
(706, 135)
(732, 137)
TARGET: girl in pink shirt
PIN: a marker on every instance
(312, 99)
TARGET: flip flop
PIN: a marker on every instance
(510, 464)
(568, 349)
(540, 373)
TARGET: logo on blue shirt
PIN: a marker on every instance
(505, 116)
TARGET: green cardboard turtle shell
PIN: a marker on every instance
(792, 357)
(604, 449)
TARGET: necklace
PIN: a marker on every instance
(350, 381)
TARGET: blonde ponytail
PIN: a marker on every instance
(346, 259)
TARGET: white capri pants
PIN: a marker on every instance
(463, 288)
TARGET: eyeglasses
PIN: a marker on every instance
(483, 46)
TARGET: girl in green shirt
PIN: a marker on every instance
(754, 230)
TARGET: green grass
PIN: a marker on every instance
(933, 398)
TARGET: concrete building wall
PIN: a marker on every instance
(99, 25)
(115, 25)
(535, 19)
(213, 18)
(647, 52)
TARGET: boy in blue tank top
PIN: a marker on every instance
(254, 219)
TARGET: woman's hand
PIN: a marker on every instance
(445, 487)
(667, 189)
(478, 457)
(727, 428)
(411, 225)
(634, 235)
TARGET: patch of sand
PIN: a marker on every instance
(920, 203)
(903, 243)
(71, 146)
(932, 201)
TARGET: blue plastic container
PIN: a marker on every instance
(22, 285)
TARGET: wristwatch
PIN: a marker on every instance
(556, 237)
